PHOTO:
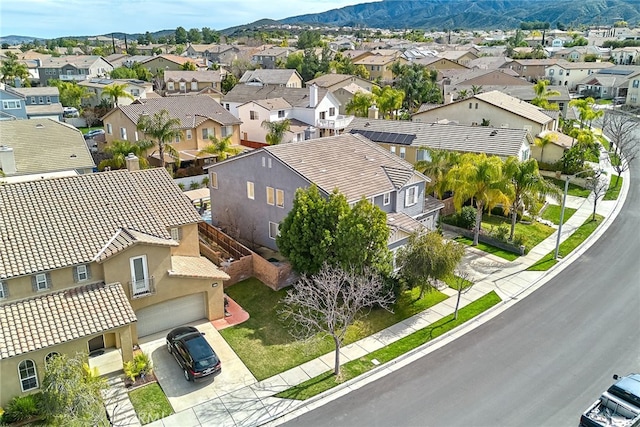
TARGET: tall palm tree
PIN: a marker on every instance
(479, 177)
(437, 169)
(119, 150)
(542, 95)
(277, 130)
(542, 141)
(11, 69)
(221, 148)
(586, 113)
(161, 129)
(116, 91)
(528, 187)
(476, 89)
(359, 104)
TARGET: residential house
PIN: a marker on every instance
(42, 148)
(379, 66)
(609, 83)
(579, 53)
(530, 69)
(138, 89)
(554, 150)
(277, 77)
(343, 87)
(13, 104)
(222, 54)
(489, 62)
(315, 107)
(494, 109)
(41, 102)
(633, 91)
(269, 58)
(95, 262)
(152, 48)
(200, 117)
(478, 80)
(565, 73)
(74, 68)
(256, 190)
(168, 62)
(626, 55)
(411, 140)
(462, 57)
(189, 82)
(437, 63)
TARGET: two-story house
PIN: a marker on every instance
(626, 55)
(343, 87)
(317, 108)
(569, 74)
(256, 190)
(530, 69)
(379, 66)
(189, 82)
(222, 54)
(494, 109)
(169, 62)
(42, 102)
(73, 68)
(138, 89)
(268, 58)
(200, 117)
(13, 105)
(93, 263)
(41, 148)
(609, 83)
(277, 77)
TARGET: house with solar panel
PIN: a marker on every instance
(253, 193)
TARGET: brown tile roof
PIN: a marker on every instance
(514, 105)
(269, 77)
(273, 104)
(124, 238)
(192, 76)
(55, 223)
(297, 97)
(197, 267)
(55, 318)
(190, 110)
(328, 80)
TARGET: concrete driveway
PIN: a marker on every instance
(183, 394)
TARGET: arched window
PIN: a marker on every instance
(50, 356)
(28, 375)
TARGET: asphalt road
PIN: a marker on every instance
(540, 363)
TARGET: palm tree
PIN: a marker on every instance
(479, 177)
(528, 187)
(437, 169)
(221, 148)
(388, 100)
(542, 141)
(12, 69)
(463, 94)
(120, 149)
(277, 130)
(116, 91)
(161, 129)
(586, 112)
(359, 104)
(542, 95)
(476, 89)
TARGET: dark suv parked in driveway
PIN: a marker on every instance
(193, 353)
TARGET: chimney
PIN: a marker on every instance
(373, 112)
(450, 98)
(313, 96)
(7, 160)
(133, 164)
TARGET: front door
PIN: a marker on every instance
(139, 275)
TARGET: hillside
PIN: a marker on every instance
(475, 14)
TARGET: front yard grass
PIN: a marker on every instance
(574, 190)
(267, 348)
(150, 403)
(552, 213)
(352, 369)
(579, 236)
(614, 190)
(509, 256)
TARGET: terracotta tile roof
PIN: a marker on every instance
(55, 318)
(198, 267)
(55, 223)
(190, 110)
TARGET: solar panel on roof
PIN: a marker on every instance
(386, 137)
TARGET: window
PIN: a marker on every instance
(280, 114)
(561, 72)
(177, 140)
(226, 131)
(189, 136)
(250, 190)
(636, 83)
(392, 149)
(123, 133)
(476, 105)
(227, 106)
(183, 86)
(41, 100)
(176, 233)
(194, 85)
(323, 115)
(4, 292)
(411, 196)
(270, 196)
(50, 356)
(213, 179)
(48, 100)
(139, 275)
(386, 199)
(332, 112)
(207, 132)
(273, 230)
(109, 129)
(280, 198)
(269, 163)
(11, 105)
(41, 282)
(28, 375)
(135, 92)
(170, 86)
(81, 273)
(264, 162)
(470, 105)
(33, 99)
(253, 115)
(403, 152)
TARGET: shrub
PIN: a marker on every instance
(181, 185)
(194, 185)
(467, 217)
(138, 367)
(501, 232)
(21, 408)
(519, 239)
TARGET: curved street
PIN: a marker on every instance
(541, 362)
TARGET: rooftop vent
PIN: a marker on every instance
(493, 133)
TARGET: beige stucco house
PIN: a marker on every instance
(379, 66)
(93, 263)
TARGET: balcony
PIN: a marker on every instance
(142, 288)
(339, 123)
(73, 77)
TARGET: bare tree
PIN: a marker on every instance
(624, 132)
(330, 301)
(462, 285)
(598, 185)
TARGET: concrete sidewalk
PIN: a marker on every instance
(255, 404)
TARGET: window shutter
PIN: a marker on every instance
(88, 271)
(48, 275)
(34, 284)
(75, 275)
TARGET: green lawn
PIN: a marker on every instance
(574, 190)
(150, 403)
(267, 348)
(352, 369)
(614, 190)
(534, 233)
(579, 236)
(552, 213)
(509, 256)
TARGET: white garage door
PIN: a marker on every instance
(170, 314)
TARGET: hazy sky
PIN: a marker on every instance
(58, 18)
